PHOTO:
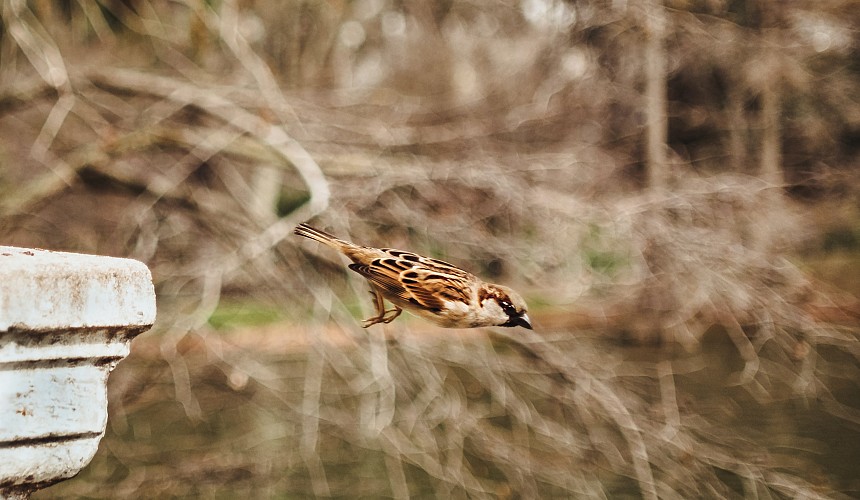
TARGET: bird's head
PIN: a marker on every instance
(505, 305)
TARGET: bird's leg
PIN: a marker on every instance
(379, 303)
(396, 311)
(380, 309)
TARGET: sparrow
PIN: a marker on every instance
(429, 288)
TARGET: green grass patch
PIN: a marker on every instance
(600, 252)
(236, 314)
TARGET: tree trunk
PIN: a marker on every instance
(770, 168)
(737, 131)
(655, 95)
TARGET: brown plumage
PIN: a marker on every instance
(430, 288)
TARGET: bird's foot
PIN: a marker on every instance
(382, 318)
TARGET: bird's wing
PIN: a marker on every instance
(422, 281)
(422, 262)
(381, 275)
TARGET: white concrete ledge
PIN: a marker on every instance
(93, 291)
(65, 321)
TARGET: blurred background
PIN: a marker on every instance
(672, 185)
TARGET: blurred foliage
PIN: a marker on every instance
(842, 238)
(600, 252)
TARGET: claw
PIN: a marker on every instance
(382, 318)
(391, 318)
(370, 322)
(381, 312)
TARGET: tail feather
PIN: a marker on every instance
(320, 236)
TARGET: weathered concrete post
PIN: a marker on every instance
(66, 320)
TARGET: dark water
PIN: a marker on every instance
(247, 434)
(816, 430)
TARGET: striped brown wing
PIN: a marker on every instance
(431, 286)
(382, 274)
(438, 266)
(422, 281)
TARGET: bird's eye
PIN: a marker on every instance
(508, 308)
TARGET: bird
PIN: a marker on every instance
(429, 288)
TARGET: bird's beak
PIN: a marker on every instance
(524, 322)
